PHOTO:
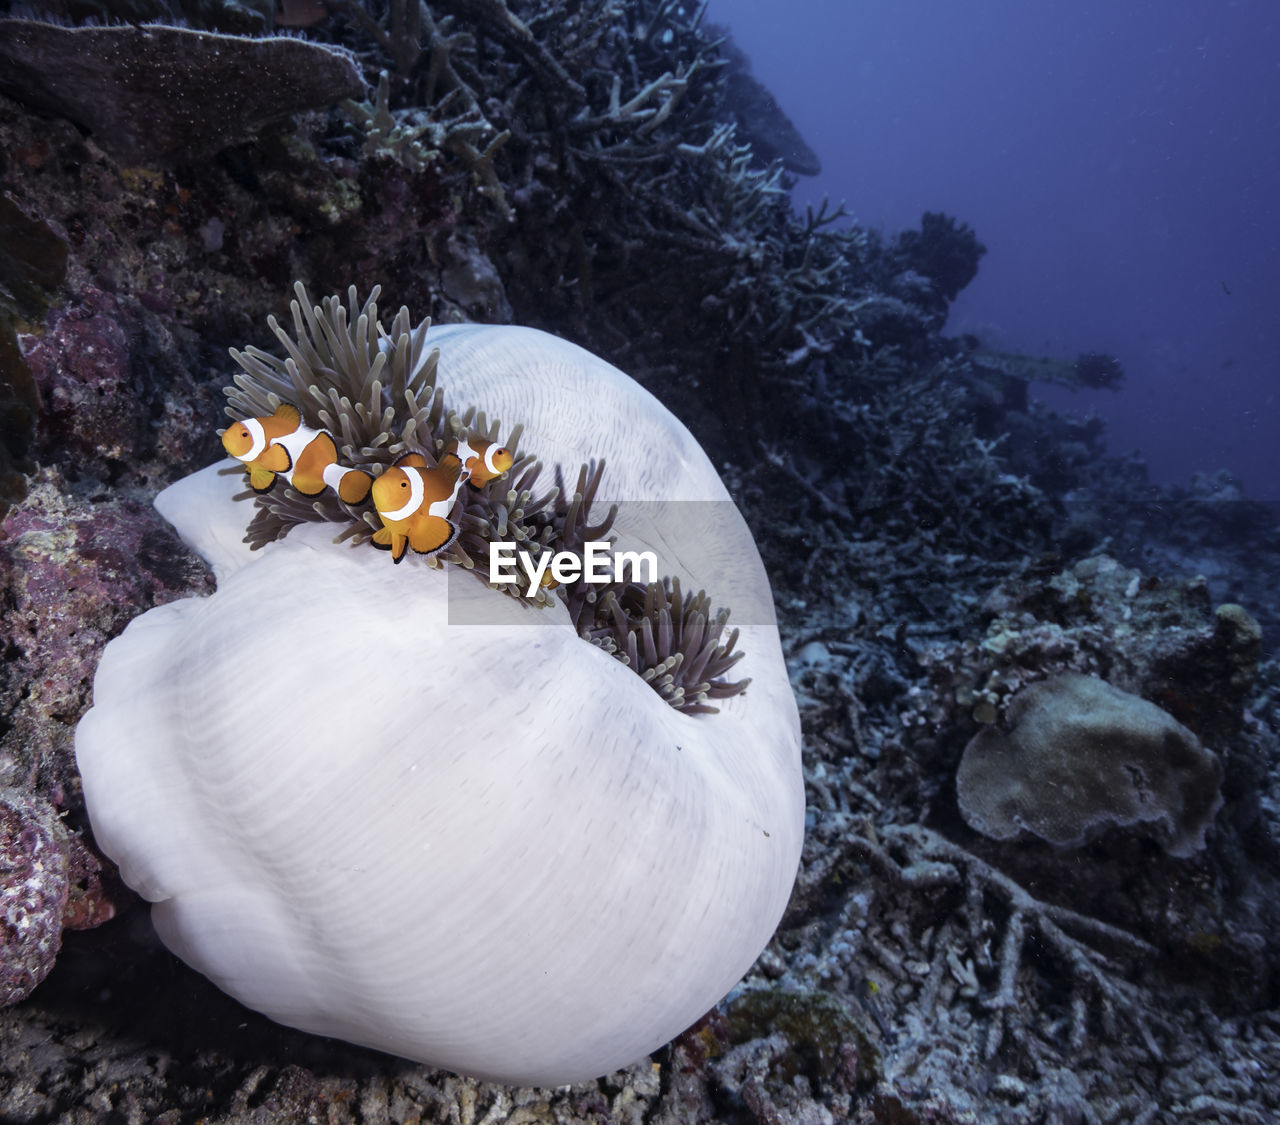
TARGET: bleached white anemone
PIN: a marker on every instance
(387, 804)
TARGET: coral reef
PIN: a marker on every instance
(938, 541)
(1012, 958)
(1160, 640)
(758, 119)
(944, 251)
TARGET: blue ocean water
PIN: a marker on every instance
(1120, 161)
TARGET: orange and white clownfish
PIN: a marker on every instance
(414, 503)
(482, 461)
(282, 446)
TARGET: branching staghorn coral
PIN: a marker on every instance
(978, 947)
(374, 389)
(638, 191)
(419, 137)
(1096, 954)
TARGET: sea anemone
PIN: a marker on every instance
(386, 804)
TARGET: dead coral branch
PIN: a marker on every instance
(1099, 958)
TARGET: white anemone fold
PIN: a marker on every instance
(391, 805)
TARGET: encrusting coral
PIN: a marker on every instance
(1080, 756)
(374, 390)
(33, 892)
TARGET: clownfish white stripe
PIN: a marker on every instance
(294, 444)
(465, 452)
(415, 497)
(489, 454)
(259, 436)
(442, 508)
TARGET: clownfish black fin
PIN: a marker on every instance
(413, 460)
(387, 540)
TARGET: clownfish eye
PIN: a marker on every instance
(404, 484)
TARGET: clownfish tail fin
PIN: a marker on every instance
(354, 486)
(433, 534)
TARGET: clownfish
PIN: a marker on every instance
(414, 502)
(282, 446)
(482, 461)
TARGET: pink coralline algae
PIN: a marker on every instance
(119, 390)
(33, 892)
(81, 364)
(75, 571)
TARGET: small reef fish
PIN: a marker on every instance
(414, 502)
(482, 461)
(281, 446)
